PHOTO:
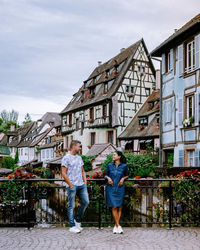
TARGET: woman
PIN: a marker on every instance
(116, 174)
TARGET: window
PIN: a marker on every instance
(43, 154)
(141, 69)
(82, 127)
(92, 90)
(105, 87)
(91, 113)
(110, 137)
(143, 121)
(104, 110)
(47, 153)
(189, 57)
(52, 153)
(168, 111)
(127, 89)
(190, 106)
(191, 158)
(132, 89)
(168, 62)
(148, 91)
(70, 119)
(77, 124)
(93, 134)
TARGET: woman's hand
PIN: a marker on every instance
(121, 182)
(110, 182)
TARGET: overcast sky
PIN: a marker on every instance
(48, 48)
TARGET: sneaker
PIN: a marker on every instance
(78, 225)
(74, 230)
(120, 230)
(115, 230)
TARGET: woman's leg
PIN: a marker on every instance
(115, 216)
(119, 212)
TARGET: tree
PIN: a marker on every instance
(6, 119)
(9, 116)
(27, 118)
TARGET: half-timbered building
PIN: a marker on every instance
(109, 98)
(180, 93)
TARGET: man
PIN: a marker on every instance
(76, 182)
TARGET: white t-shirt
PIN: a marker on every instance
(74, 165)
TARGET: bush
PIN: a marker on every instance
(87, 162)
(138, 165)
(9, 162)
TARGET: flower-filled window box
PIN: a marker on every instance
(37, 148)
(69, 125)
(130, 95)
(187, 122)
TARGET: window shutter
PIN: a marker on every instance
(166, 112)
(180, 112)
(67, 119)
(163, 63)
(171, 59)
(97, 138)
(170, 111)
(73, 118)
(180, 60)
(181, 158)
(88, 139)
(197, 51)
(88, 114)
(107, 108)
(101, 111)
(94, 113)
(196, 108)
(197, 157)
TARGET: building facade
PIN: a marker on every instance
(143, 129)
(180, 94)
(109, 98)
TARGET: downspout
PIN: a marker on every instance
(160, 120)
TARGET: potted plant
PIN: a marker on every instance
(187, 122)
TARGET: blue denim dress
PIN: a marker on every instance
(115, 193)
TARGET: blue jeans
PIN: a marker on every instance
(82, 193)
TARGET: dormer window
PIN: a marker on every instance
(92, 91)
(143, 121)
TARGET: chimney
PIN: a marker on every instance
(99, 63)
(12, 127)
(157, 79)
(122, 49)
(175, 30)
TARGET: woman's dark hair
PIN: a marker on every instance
(122, 157)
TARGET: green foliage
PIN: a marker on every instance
(87, 162)
(16, 157)
(48, 174)
(27, 118)
(9, 162)
(138, 165)
(6, 119)
(11, 191)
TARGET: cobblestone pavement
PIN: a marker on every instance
(92, 239)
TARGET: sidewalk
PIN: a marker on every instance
(91, 239)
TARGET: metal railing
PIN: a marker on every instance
(147, 201)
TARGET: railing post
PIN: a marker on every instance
(170, 204)
(29, 204)
(99, 217)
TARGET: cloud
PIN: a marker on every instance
(48, 48)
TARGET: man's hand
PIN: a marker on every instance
(71, 185)
(110, 182)
(121, 182)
